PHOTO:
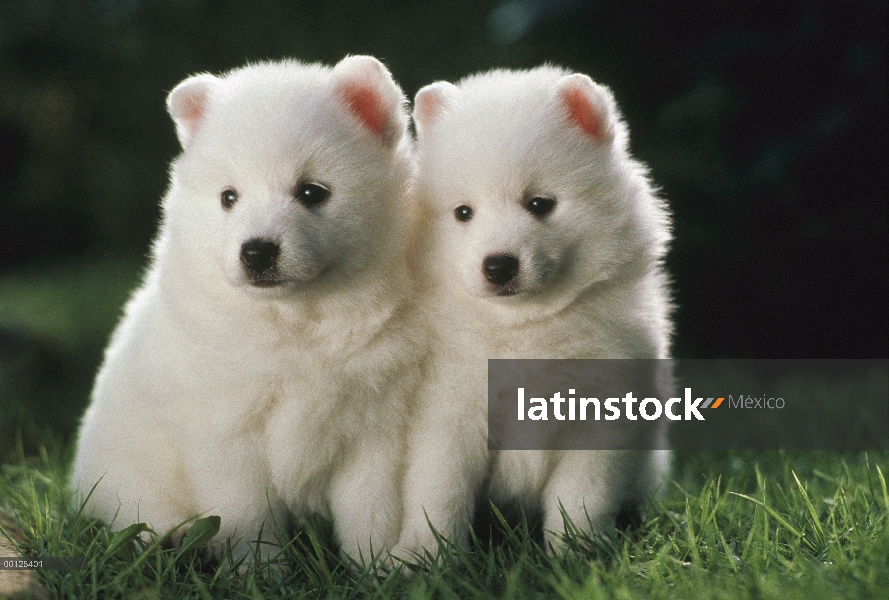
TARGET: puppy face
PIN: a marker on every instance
(291, 174)
(532, 194)
(503, 245)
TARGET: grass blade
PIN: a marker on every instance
(819, 530)
(198, 535)
(772, 512)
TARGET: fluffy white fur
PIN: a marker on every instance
(243, 394)
(589, 285)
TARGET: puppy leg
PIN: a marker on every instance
(231, 482)
(140, 481)
(365, 500)
(588, 486)
(446, 470)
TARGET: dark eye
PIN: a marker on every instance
(228, 198)
(311, 195)
(463, 213)
(540, 206)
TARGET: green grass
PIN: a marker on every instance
(730, 525)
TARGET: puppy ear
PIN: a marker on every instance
(187, 104)
(588, 106)
(430, 101)
(367, 89)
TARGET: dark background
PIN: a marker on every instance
(763, 123)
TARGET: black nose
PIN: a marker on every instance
(259, 255)
(501, 268)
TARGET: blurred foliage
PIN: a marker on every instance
(58, 319)
(763, 123)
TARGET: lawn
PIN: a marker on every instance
(729, 524)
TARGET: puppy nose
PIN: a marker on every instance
(500, 268)
(259, 255)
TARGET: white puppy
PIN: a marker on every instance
(263, 364)
(544, 239)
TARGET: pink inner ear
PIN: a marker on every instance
(582, 112)
(194, 110)
(428, 107)
(367, 105)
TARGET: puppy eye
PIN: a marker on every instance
(311, 195)
(463, 213)
(540, 206)
(228, 198)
